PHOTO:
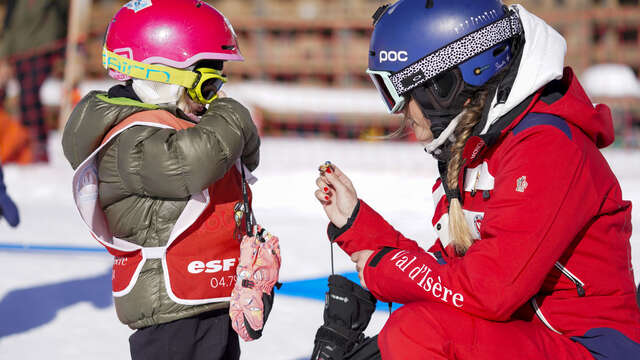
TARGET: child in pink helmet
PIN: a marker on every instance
(162, 164)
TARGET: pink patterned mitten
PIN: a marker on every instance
(252, 296)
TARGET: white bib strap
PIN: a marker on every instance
(153, 252)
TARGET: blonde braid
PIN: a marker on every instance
(458, 229)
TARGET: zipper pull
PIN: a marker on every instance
(475, 184)
(572, 278)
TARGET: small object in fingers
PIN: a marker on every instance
(260, 235)
(326, 167)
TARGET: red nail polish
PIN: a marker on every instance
(326, 189)
(328, 170)
(326, 198)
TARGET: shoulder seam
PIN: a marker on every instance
(535, 119)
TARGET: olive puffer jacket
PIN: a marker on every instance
(147, 175)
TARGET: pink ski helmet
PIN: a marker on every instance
(176, 33)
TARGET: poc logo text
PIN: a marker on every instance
(393, 56)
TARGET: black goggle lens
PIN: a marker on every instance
(210, 88)
(440, 92)
(444, 84)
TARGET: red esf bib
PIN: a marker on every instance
(200, 258)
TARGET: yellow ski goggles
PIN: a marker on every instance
(208, 84)
(202, 84)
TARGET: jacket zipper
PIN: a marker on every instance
(540, 316)
(574, 279)
(579, 284)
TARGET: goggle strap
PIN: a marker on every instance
(140, 70)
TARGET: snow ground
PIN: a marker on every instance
(56, 304)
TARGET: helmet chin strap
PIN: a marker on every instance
(434, 147)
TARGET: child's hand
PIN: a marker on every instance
(336, 194)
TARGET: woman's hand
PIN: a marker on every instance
(360, 259)
(336, 194)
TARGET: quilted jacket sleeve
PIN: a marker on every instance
(160, 162)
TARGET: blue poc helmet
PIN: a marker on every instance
(434, 50)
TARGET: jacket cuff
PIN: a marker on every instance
(333, 231)
(369, 271)
(368, 231)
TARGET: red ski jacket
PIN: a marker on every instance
(552, 229)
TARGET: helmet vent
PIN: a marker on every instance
(429, 4)
(376, 16)
(228, 47)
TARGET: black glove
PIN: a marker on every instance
(347, 312)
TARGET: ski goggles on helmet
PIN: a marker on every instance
(202, 84)
(382, 80)
(207, 86)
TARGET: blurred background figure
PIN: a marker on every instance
(32, 41)
(8, 209)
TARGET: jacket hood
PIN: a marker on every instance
(576, 107)
(543, 62)
(90, 121)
